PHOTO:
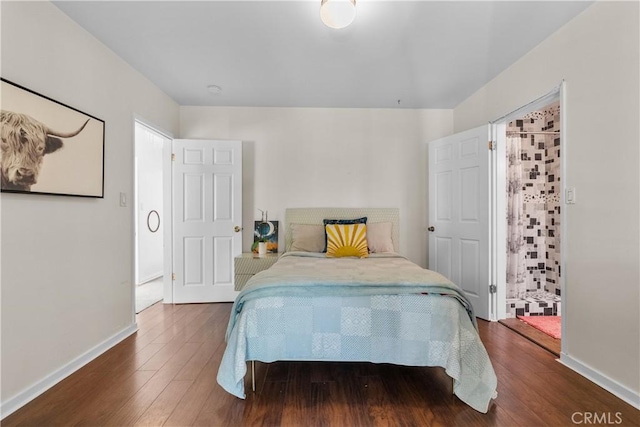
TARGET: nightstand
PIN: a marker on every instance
(248, 264)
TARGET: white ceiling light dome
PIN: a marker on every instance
(214, 89)
(337, 13)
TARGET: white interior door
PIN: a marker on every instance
(207, 195)
(459, 201)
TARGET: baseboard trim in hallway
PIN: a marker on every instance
(24, 397)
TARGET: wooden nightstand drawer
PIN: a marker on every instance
(248, 264)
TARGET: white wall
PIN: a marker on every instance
(67, 263)
(313, 157)
(597, 54)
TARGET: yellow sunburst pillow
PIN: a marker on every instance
(345, 240)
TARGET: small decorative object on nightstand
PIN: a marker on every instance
(265, 235)
(248, 264)
(262, 248)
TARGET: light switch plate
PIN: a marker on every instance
(123, 200)
(570, 196)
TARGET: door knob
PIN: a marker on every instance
(432, 228)
(237, 228)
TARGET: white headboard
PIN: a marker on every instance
(316, 215)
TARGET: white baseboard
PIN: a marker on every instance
(149, 278)
(16, 402)
(617, 389)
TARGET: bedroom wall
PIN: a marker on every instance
(67, 262)
(597, 54)
(315, 157)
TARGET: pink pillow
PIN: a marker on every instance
(379, 237)
(307, 238)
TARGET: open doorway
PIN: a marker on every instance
(532, 231)
(149, 216)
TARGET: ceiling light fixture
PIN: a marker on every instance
(337, 13)
(214, 90)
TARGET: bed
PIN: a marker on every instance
(381, 308)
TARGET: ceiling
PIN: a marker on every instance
(397, 54)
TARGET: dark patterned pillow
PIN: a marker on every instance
(362, 220)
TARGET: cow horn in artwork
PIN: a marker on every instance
(66, 134)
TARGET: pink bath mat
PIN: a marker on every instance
(550, 325)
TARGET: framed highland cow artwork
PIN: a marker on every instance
(48, 147)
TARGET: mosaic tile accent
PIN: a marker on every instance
(541, 186)
(534, 304)
(550, 110)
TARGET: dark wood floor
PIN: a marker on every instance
(165, 375)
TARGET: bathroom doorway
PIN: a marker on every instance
(529, 238)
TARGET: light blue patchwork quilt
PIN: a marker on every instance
(382, 309)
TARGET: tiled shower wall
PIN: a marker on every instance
(541, 185)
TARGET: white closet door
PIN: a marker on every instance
(207, 216)
(459, 200)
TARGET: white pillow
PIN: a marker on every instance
(307, 237)
(379, 237)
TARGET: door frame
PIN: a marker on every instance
(167, 201)
(499, 201)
